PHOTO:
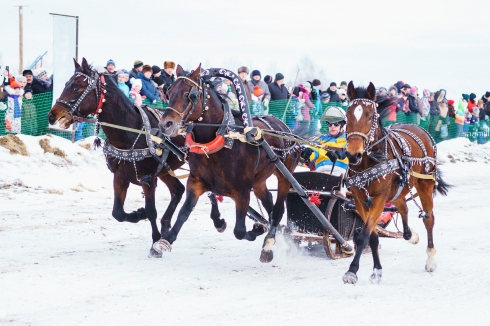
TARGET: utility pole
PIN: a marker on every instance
(21, 37)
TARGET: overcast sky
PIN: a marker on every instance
(428, 43)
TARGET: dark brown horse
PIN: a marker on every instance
(231, 172)
(384, 165)
(82, 96)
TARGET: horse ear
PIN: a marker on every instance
(351, 91)
(77, 65)
(179, 71)
(196, 73)
(371, 92)
(85, 66)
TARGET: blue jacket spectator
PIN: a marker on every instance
(148, 89)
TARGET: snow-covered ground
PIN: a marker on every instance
(65, 261)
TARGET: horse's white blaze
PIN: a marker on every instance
(358, 112)
(431, 265)
(268, 244)
(415, 237)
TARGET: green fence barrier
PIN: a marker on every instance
(35, 122)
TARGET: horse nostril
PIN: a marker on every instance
(169, 124)
(358, 156)
(51, 118)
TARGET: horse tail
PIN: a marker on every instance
(441, 186)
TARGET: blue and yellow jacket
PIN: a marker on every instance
(319, 156)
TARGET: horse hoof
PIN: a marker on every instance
(141, 213)
(431, 265)
(376, 276)
(259, 229)
(266, 256)
(349, 278)
(154, 254)
(414, 239)
(222, 228)
(161, 246)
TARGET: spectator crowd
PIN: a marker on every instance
(304, 103)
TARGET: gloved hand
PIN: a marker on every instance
(306, 153)
(154, 101)
(8, 125)
(333, 156)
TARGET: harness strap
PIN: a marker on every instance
(422, 176)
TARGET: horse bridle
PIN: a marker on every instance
(194, 95)
(369, 137)
(96, 82)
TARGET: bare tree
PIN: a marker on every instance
(308, 70)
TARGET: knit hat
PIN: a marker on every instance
(406, 86)
(257, 91)
(168, 64)
(256, 73)
(243, 69)
(147, 68)
(27, 72)
(392, 87)
(487, 94)
(450, 102)
(20, 78)
(306, 84)
(136, 82)
(137, 64)
(325, 96)
(122, 72)
(472, 96)
(466, 96)
(316, 82)
(27, 90)
(14, 84)
(341, 91)
(343, 83)
(279, 76)
(110, 62)
(155, 69)
(333, 84)
(268, 79)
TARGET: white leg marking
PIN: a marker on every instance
(431, 264)
(415, 237)
(268, 244)
(376, 276)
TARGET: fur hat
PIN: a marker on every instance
(257, 91)
(136, 82)
(156, 69)
(243, 69)
(147, 68)
(341, 91)
(110, 62)
(168, 64)
(256, 73)
(279, 76)
(21, 78)
(316, 82)
(306, 84)
(137, 64)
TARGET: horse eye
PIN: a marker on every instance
(75, 89)
(186, 94)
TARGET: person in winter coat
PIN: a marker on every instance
(332, 91)
(29, 114)
(38, 85)
(434, 112)
(344, 102)
(168, 75)
(471, 102)
(257, 101)
(255, 81)
(485, 97)
(13, 115)
(243, 74)
(277, 89)
(316, 113)
(134, 93)
(137, 67)
(459, 118)
(148, 89)
(110, 67)
(305, 105)
(407, 103)
(121, 82)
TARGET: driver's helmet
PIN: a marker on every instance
(333, 114)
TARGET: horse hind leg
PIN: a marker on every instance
(425, 190)
(219, 223)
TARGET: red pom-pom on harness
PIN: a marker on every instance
(219, 198)
(315, 198)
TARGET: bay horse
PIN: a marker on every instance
(231, 172)
(87, 93)
(384, 165)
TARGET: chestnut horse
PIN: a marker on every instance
(384, 165)
(231, 172)
(82, 97)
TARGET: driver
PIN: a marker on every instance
(333, 145)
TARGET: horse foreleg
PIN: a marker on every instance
(120, 190)
(194, 190)
(151, 214)
(242, 201)
(408, 234)
(374, 244)
(283, 185)
(219, 223)
(176, 189)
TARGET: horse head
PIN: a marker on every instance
(77, 98)
(184, 102)
(362, 121)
